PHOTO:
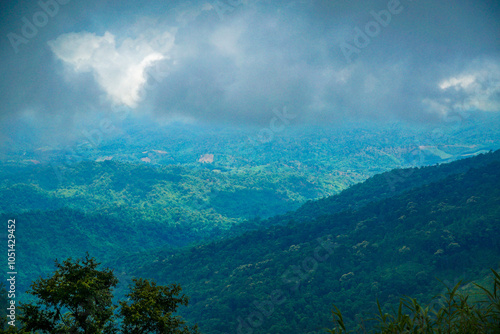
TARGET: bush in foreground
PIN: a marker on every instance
(450, 312)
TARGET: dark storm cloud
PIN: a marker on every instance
(208, 63)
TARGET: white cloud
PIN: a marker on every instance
(458, 82)
(119, 70)
(476, 88)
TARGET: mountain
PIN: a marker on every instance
(384, 185)
(285, 278)
(381, 238)
(112, 208)
(199, 200)
(101, 206)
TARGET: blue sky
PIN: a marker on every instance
(70, 63)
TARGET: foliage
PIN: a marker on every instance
(384, 240)
(77, 298)
(450, 312)
(384, 185)
(389, 247)
(151, 307)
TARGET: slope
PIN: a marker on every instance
(284, 279)
(376, 188)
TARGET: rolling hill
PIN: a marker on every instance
(285, 278)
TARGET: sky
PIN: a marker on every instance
(67, 64)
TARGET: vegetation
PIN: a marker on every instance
(101, 207)
(150, 309)
(78, 298)
(451, 312)
(383, 238)
(387, 248)
(171, 206)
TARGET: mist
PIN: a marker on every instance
(69, 66)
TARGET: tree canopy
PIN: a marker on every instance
(78, 298)
(151, 307)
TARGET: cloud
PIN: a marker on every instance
(119, 70)
(462, 82)
(263, 57)
(475, 88)
(180, 60)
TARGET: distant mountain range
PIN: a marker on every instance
(379, 239)
(374, 241)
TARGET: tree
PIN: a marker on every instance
(151, 307)
(76, 299)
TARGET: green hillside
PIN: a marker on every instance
(382, 186)
(388, 236)
(199, 201)
(383, 250)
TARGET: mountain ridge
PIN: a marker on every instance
(455, 234)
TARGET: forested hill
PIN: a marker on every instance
(388, 236)
(285, 279)
(397, 181)
(382, 186)
(113, 208)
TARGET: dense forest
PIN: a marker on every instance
(448, 229)
(387, 237)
